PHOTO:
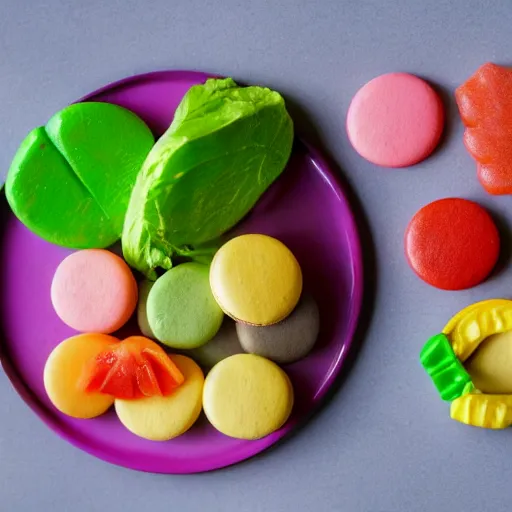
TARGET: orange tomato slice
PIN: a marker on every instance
(134, 368)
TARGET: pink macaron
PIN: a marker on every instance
(395, 120)
(94, 291)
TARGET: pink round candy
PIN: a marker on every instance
(395, 120)
(94, 291)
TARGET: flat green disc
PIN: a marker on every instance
(70, 182)
(181, 309)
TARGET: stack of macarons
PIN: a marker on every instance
(255, 281)
(156, 395)
(237, 318)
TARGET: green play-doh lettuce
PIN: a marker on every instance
(224, 148)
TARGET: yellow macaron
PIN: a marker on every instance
(256, 279)
(162, 418)
(247, 396)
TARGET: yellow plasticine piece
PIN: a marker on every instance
(481, 410)
(468, 328)
(489, 321)
(490, 366)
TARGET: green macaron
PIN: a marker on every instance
(181, 310)
(142, 315)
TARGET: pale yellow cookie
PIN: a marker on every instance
(256, 279)
(247, 396)
(163, 418)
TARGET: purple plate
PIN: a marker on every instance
(305, 208)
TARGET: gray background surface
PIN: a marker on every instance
(384, 442)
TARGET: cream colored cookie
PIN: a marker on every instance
(256, 279)
(247, 396)
(163, 418)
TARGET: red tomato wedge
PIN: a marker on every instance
(485, 106)
(134, 368)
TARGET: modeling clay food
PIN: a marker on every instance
(452, 244)
(287, 341)
(485, 106)
(490, 366)
(94, 291)
(247, 396)
(135, 368)
(256, 279)
(71, 180)
(182, 312)
(224, 344)
(478, 326)
(395, 120)
(162, 418)
(142, 315)
(485, 411)
(224, 148)
(445, 369)
(471, 326)
(61, 376)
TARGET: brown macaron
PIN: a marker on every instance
(287, 341)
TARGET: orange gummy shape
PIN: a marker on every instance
(485, 106)
(134, 368)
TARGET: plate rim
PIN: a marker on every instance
(325, 169)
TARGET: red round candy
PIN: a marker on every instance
(452, 244)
